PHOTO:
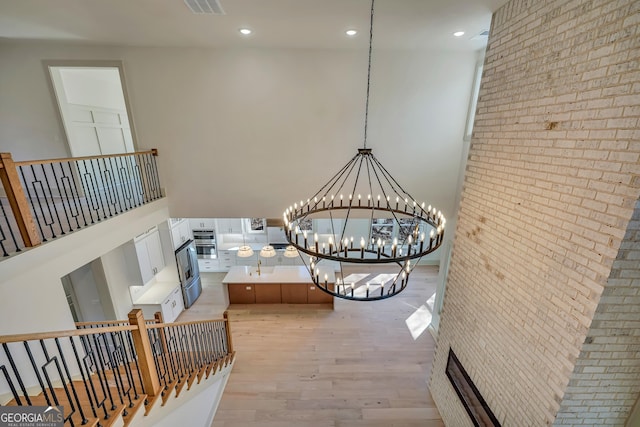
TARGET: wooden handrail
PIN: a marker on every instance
(191, 322)
(82, 332)
(153, 152)
(18, 201)
(62, 334)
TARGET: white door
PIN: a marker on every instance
(93, 110)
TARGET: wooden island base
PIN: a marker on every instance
(280, 285)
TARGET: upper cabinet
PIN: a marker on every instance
(229, 225)
(145, 258)
(202, 223)
(180, 232)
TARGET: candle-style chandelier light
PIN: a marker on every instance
(392, 227)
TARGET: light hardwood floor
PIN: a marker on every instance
(308, 366)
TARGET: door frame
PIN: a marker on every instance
(83, 63)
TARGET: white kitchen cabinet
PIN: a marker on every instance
(180, 232)
(174, 305)
(226, 259)
(144, 257)
(229, 225)
(163, 298)
(202, 223)
(208, 265)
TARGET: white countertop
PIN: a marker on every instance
(277, 274)
(157, 294)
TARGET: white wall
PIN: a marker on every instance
(31, 294)
(230, 123)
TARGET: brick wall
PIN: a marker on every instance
(606, 379)
(552, 179)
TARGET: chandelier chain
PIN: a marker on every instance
(366, 110)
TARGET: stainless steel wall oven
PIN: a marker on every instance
(205, 244)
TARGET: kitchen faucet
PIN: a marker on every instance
(259, 262)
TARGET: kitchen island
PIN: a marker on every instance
(276, 285)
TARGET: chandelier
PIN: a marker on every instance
(398, 230)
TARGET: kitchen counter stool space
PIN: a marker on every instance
(275, 285)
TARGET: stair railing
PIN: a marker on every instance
(101, 370)
(45, 199)
(187, 351)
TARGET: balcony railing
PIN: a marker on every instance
(45, 199)
(103, 371)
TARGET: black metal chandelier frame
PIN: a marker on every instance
(392, 202)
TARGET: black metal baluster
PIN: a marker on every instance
(117, 184)
(136, 170)
(175, 342)
(127, 369)
(14, 392)
(136, 188)
(155, 188)
(73, 387)
(214, 339)
(124, 184)
(23, 389)
(108, 186)
(204, 339)
(54, 360)
(84, 375)
(97, 193)
(114, 365)
(90, 193)
(166, 353)
(174, 363)
(90, 356)
(10, 229)
(76, 191)
(156, 350)
(103, 193)
(102, 367)
(63, 199)
(70, 188)
(37, 373)
(220, 348)
(38, 183)
(201, 347)
(32, 203)
(192, 350)
(53, 203)
(134, 357)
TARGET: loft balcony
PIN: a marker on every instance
(42, 200)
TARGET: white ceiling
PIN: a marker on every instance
(400, 24)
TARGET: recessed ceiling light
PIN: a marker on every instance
(245, 31)
(351, 32)
(459, 33)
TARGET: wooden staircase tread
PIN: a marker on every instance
(201, 372)
(131, 411)
(180, 386)
(151, 401)
(190, 380)
(169, 391)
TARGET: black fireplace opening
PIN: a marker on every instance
(469, 395)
